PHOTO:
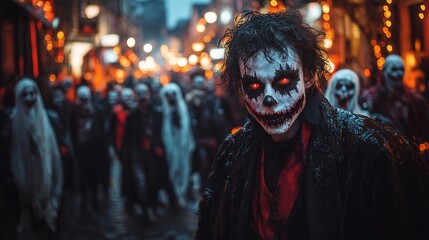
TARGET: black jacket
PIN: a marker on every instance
(363, 180)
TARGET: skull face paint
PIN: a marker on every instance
(29, 96)
(393, 72)
(344, 92)
(343, 86)
(274, 90)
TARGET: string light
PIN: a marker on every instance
(378, 46)
(329, 37)
(422, 11)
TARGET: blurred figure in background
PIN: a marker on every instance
(343, 91)
(35, 163)
(142, 174)
(178, 139)
(119, 115)
(408, 111)
(203, 126)
(91, 145)
(59, 108)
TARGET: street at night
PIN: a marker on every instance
(214, 119)
(112, 222)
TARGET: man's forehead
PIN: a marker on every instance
(394, 63)
(29, 88)
(277, 59)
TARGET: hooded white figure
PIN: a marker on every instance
(177, 137)
(36, 160)
(343, 91)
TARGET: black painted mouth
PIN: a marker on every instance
(279, 118)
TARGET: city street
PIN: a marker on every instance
(112, 222)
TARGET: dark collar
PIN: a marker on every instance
(311, 112)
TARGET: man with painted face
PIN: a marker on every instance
(300, 168)
(407, 110)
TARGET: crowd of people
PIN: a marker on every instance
(164, 137)
(346, 165)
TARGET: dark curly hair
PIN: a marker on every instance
(254, 32)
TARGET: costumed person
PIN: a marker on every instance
(408, 111)
(91, 146)
(59, 114)
(300, 168)
(178, 139)
(144, 172)
(119, 116)
(203, 126)
(107, 104)
(155, 89)
(343, 91)
(35, 162)
(224, 119)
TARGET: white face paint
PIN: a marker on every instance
(29, 96)
(393, 72)
(344, 86)
(84, 95)
(274, 91)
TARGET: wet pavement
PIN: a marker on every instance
(112, 222)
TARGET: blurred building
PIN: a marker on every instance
(359, 33)
(28, 44)
(97, 32)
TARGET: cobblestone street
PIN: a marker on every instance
(112, 222)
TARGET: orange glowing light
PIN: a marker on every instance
(52, 77)
(367, 72)
(388, 23)
(235, 129)
(49, 46)
(326, 17)
(284, 81)
(255, 86)
(274, 3)
(326, 25)
(60, 35)
(387, 14)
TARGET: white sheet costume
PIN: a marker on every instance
(36, 160)
(178, 138)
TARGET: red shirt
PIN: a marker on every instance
(121, 116)
(271, 210)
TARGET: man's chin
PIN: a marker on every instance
(276, 131)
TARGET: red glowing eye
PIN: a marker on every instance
(284, 81)
(255, 86)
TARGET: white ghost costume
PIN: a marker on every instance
(343, 91)
(36, 160)
(178, 139)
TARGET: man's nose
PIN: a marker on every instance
(269, 101)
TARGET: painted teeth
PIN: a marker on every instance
(277, 119)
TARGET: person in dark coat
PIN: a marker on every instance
(91, 147)
(300, 168)
(408, 111)
(144, 171)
